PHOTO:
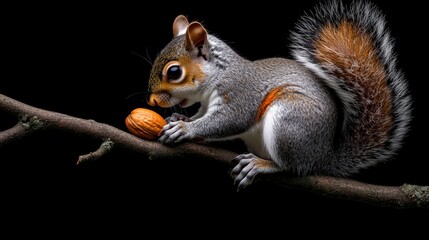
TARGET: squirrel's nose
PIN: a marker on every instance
(152, 100)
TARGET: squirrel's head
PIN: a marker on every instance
(178, 69)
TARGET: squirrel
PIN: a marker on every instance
(338, 106)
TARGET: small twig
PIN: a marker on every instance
(104, 148)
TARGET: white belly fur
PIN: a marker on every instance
(260, 138)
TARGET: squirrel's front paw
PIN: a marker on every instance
(177, 117)
(248, 167)
(174, 132)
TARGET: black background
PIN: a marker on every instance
(89, 61)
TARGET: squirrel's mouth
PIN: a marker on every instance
(165, 100)
(184, 103)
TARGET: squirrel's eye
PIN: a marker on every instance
(174, 73)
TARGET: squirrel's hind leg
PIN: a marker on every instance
(259, 140)
(250, 166)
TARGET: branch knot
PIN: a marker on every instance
(31, 123)
(420, 194)
(108, 144)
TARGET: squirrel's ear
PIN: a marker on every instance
(196, 39)
(196, 35)
(180, 25)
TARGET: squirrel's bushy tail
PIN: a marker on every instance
(351, 50)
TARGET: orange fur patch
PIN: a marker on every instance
(275, 94)
(352, 50)
(262, 163)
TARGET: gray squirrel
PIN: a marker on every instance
(341, 105)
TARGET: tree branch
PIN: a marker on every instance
(405, 196)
